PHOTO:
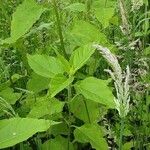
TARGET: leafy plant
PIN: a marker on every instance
(54, 92)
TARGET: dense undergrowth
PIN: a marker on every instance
(74, 74)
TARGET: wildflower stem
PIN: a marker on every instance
(88, 3)
(59, 28)
(69, 117)
(121, 133)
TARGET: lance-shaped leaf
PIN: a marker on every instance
(96, 90)
(44, 65)
(16, 130)
(93, 134)
(58, 83)
(23, 19)
(80, 57)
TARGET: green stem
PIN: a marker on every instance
(88, 115)
(69, 123)
(59, 28)
(121, 133)
(88, 3)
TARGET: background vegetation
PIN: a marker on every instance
(54, 90)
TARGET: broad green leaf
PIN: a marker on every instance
(93, 134)
(96, 90)
(104, 11)
(46, 107)
(37, 83)
(80, 57)
(10, 96)
(16, 130)
(85, 33)
(89, 110)
(23, 19)
(59, 129)
(58, 83)
(44, 65)
(58, 143)
(76, 7)
(104, 15)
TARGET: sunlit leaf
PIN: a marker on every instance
(44, 65)
(16, 130)
(91, 133)
(58, 83)
(45, 107)
(80, 57)
(96, 90)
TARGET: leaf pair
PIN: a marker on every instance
(51, 67)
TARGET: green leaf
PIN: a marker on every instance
(58, 83)
(23, 19)
(147, 51)
(10, 96)
(96, 90)
(32, 85)
(128, 145)
(61, 128)
(85, 33)
(80, 57)
(91, 133)
(89, 110)
(46, 107)
(104, 11)
(104, 15)
(58, 143)
(16, 130)
(44, 65)
(76, 7)
(65, 63)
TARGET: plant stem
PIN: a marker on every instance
(69, 124)
(59, 28)
(121, 133)
(88, 3)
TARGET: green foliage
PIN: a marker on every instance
(15, 130)
(23, 19)
(96, 90)
(91, 133)
(54, 92)
(43, 106)
(32, 85)
(58, 143)
(80, 57)
(44, 65)
(58, 83)
(10, 96)
(85, 33)
(104, 11)
(76, 7)
(89, 110)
